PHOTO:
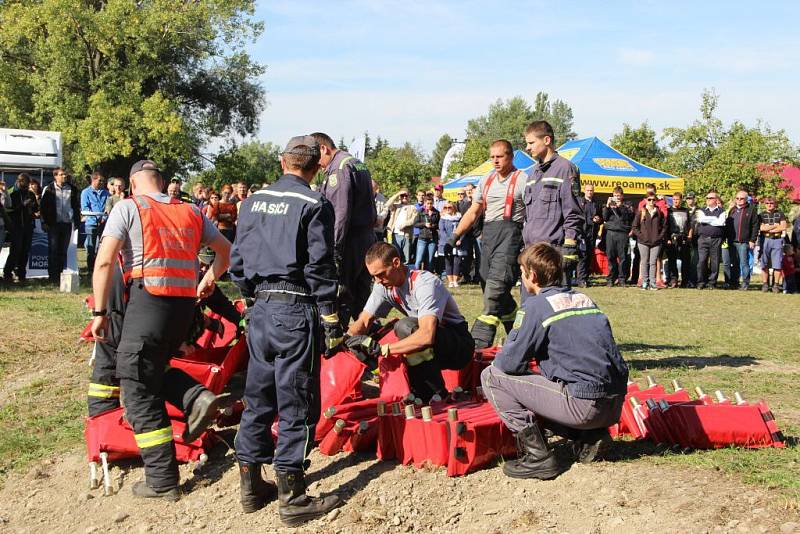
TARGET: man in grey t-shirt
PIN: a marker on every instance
(433, 335)
(499, 198)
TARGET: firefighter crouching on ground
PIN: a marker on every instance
(433, 335)
(348, 187)
(584, 379)
(283, 258)
(499, 197)
(552, 211)
(159, 238)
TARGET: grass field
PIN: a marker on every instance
(727, 340)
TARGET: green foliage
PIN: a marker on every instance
(253, 163)
(640, 144)
(507, 120)
(709, 156)
(124, 80)
(437, 157)
(558, 114)
(398, 167)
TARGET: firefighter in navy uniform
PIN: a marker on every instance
(283, 258)
(583, 379)
(498, 198)
(159, 238)
(552, 211)
(348, 187)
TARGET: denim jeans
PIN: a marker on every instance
(402, 243)
(425, 250)
(58, 237)
(91, 244)
(741, 261)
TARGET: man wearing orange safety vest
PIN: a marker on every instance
(499, 197)
(159, 238)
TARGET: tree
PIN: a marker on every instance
(507, 120)
(253, 163)
(709, 156)
(401, 167)
(341, 144)
(127, 80)
(558, 114)
(437, 157)
(691, 148)
(640, 144)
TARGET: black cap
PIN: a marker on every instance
(144, 165)
(302, 145)
(690, 194)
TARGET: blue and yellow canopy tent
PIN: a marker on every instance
(607, 168)
(599, 164)
(522, 161)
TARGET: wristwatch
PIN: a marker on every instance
(101, 313)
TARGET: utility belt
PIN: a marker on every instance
(773, 236)
(286, 292)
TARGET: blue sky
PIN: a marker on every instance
(411, 71)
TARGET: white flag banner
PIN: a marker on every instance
(358, 148)
(455, 151)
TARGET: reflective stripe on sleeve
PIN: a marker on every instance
(153, 438)
(103, 391)
(489, 319)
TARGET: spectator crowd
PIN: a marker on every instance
(656, 244)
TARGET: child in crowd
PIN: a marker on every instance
(452, 255)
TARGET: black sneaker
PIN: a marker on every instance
(764, 288)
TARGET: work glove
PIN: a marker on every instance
(569, 250)
(453, 240)
(334, 336)
(366, 348)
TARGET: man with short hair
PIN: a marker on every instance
(582, 384)
(174, 190)
(742, 232)
(710, 231)
(592, 220)
(772, 226)
(552, 212)
(240, 192)
(433, 335)
(61, 213)
(199, 193)
(471, 240)
(618, 221)
(158, 238)
(93, 204)
(677, 242)
(21, 219)
(401, 223)
(499, 199)
(348, 187)
(283, 258)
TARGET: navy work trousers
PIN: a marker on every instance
(285, 340)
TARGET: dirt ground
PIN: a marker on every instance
(611, 496)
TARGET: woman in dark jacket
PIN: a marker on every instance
(428, 223)
(650, 229)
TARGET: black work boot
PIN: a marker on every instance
(256, 492)
(591, 444)
(535, 459)
(294, 506)
(204, 410)
(142, 490)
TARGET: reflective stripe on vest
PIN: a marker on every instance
(508, 208)
(396, 296)
(171, 236)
